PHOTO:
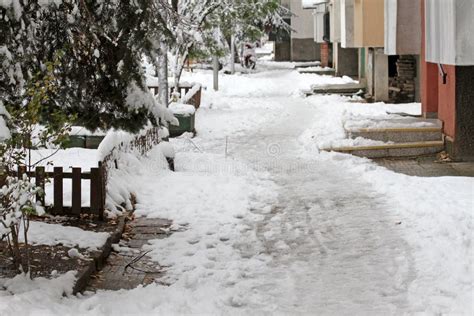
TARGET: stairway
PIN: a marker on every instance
(317, 71)
(341, 89)
(398, 137)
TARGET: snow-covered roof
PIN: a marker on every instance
(313, 4)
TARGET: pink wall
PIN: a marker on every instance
(429, 75)
(447, 101)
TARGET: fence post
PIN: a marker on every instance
(40, 179)
(21, 172)
(97, 198)
(58, 190)
(76, 200)
(103, 191)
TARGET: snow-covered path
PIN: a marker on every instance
(267, 224)
(334, 246)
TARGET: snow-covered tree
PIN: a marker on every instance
(201, 28)
(102, 43)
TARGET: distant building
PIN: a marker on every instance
(403, 45)
(300, 44)
(447, 72)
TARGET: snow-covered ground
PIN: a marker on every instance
(271, 225)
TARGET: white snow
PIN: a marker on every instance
(182, 109)
(335, 114)
(55, 234)
(82, 131)
(4, 130)
(268, 224)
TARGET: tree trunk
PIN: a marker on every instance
(215, 66)
(232, 53)
(162, 72)
(15, 248)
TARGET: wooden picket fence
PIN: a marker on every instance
(97, 192)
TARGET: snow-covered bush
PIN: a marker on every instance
(17, 203)
(24, 132)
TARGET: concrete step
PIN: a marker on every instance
(307, 64)
(410, 149)
(399, 135)
(343, 89)
(398, 130)
(317, 71)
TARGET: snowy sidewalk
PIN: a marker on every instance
(273, 226)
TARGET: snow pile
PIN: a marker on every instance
(437, 219)
(54, 234)
(124, 141)
(182, 109)
(66, 158)
(123, 182)
(43, 292)
(336, 113)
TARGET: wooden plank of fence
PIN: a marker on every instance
(58, 190)
(95, 191)
(40, 180)
(197, 98)
(103, 191)
(76, 202)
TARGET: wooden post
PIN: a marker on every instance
(103, 191)
(58, 190)
(21, 172)
(40, 179)
(197, 98)
(76, 201)
(97, 194)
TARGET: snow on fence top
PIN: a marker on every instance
(124, 141)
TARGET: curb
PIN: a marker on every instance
(99, 257)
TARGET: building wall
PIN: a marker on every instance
(301, 21)
(319, 23)
(449, 32)
(282, 51)
(391, 27)
(335, 11)
(305, 49)
(408, 27)
(369, 23)
(346, 60)
(447, 101)
(402, 27)
(464, 112)
(347, 23)
(429, 76)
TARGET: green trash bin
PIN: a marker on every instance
(185, 113)
(186, 125)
